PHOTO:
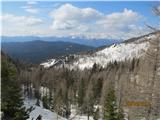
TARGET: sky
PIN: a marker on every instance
(92, 19)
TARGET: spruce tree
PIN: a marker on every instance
(12, 102)
(81, 93)
(110, 108)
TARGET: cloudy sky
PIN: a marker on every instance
(93, 20)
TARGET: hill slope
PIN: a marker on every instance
(38, 51)
(118, 52)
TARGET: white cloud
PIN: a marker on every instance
(68, 16)
(119, 20)
(20, 20)
(32, 10)
(90, 23)
(69, 20)
(31, 2)
(19, 25)
(118, 25)
(29, 7)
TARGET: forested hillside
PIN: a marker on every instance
(38, 51)
(132, 85)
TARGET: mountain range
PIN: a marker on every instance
(38, 51)
(78, 40)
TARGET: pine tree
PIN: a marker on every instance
(110, 108)
(81, 93)
(12, 102)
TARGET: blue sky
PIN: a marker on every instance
(88, 19)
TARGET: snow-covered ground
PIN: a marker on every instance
(113, 53)
(46, 113)
(75, 115)
(39, 110)
(49, 115)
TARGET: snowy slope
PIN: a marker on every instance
(119, 52)
(49, 115)
(113, 53)
(39, 110)
(49, 63)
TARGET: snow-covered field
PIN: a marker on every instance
(39, 110)
(49, 115)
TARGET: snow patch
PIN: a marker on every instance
(49, 63)
(39, 110)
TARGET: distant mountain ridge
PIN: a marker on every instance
(78, 40)
(38, 51)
